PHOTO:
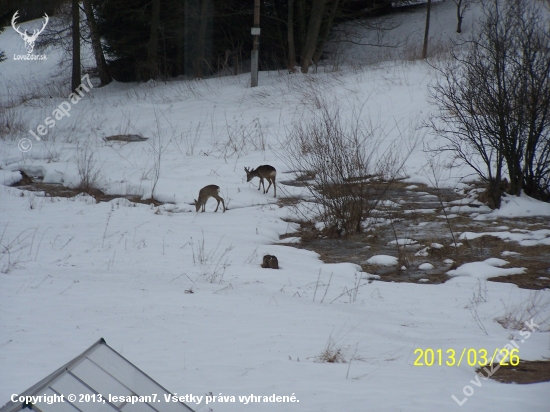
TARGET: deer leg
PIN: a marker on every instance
(274, 188)
(259, 184)
(219, 199)
(269, 180)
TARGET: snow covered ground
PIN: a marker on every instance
(182, 295)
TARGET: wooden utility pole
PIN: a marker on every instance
(256, 44)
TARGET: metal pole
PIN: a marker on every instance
(256, 45)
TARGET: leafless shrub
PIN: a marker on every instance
(332, 353)
(11, 122)
(16, 251)
(412, 50)
(212, 263)
(351, 172)
(241, 137)
(534, 308)
(192, 137)
(88, 171)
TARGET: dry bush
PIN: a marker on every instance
(212, 263)
(350, 171)
(11, 123)
(333, 353)
(239, 138)
(88, 172)
(534, 308)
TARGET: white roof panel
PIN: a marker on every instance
(67, 384)
(100, 370)
(97, 378)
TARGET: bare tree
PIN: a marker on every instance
(317, 11)
(101, 64)
(494, 100)
(325, 32)
(205, 13)
(461, 7)
(76, 72)
(290, 37)
(426, 30)
(152, 47)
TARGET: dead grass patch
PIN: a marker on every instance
(58, 190)
(126, 138)
(333, 353)
(411, 221)
(288, 201)
(525, 372)
(536, 260)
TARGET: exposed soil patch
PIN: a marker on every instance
(58, 190)
(526, 280)
(525, 372)
(126, 138)
(288, 201)
(422, 226)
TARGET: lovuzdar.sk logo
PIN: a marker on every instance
(29, 39)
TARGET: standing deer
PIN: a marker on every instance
(29, 40)
(206, 193)
(263, 172)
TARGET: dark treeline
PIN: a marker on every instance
(150, 38)
(144, 39)
(28, 9)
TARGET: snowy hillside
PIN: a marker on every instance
(182, 295)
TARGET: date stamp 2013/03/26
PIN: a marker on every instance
(471, 356)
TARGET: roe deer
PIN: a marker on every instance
(206, 193)
(263, 172)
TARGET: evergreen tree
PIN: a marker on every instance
(144, 39)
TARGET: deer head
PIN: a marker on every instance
(29, 40)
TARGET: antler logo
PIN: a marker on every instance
(29, 40)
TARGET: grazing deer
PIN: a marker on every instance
(263, 172)
(206, 193)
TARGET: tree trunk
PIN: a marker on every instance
(459, 14)
(290, 31)
(76, 74)
(426, 31)
(102, 69)
(152, 47)
(201, 39)
(301, 27)
(317, 11)
(326, 33)
(180, 65)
